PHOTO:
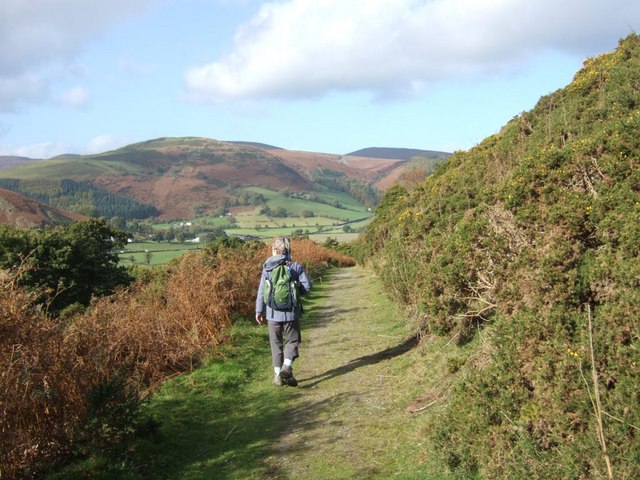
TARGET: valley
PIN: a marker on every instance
(192, 189)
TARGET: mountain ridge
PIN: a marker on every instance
(185, 176)
(397, 153)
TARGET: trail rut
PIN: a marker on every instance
(345, 417)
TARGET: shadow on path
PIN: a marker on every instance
(372, 359)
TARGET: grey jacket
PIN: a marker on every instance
(298, 273)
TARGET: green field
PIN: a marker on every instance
(328, 221)
(351, 208)
(158, 253)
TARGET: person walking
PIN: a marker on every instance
(282, 318)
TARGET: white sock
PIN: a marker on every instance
(276, 370)
(288, 362)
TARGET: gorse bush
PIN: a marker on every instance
(529, 236)
(74, 387)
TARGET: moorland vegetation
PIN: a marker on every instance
(525, 249)
(83, 341)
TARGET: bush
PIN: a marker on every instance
(73, 387)
(522, 235)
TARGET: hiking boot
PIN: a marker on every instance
(292, 382)
(287, 376)
(277, 381)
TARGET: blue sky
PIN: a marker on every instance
(318, 75)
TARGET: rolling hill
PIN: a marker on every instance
(10, 161)
(397, 153)
(179, 178)
(22, 212)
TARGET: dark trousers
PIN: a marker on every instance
(284, 338)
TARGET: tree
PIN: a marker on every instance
(72, 263)
(118, 222)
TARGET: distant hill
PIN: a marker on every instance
(173, 175)
(255, 144)
(22, 212)
(397, 153)
(7, 161)
(179, 178)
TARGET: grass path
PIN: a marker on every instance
(347, 419)
(360, 373)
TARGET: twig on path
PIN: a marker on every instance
(451, 339)
(230, 432)
(422, 409)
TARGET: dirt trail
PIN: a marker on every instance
(347, 419)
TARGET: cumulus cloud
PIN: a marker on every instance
(106, 142)
(305, 48)
(76, 97)
(37, 33)
(37, 150)
(15, 91)
(98, 144)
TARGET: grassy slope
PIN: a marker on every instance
(351, 416)
(351, 210)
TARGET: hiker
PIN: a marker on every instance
(282, 318)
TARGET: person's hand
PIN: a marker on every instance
(260, 318)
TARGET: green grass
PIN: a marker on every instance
(57, 169)
(161, 252)
(207, 221)
(352, 210)
(219, 422)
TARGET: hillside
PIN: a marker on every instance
(10, 161)
(180, 178)
(397, 153)
(22, 212)
(175, 176)
(524, 251)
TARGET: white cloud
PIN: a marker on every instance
(37, 150)
(98, 144)
(106, 142)
(15, 91)
(76, 97)
(304, 48)
(38, 33)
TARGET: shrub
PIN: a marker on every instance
(523, 235)
(74, 387)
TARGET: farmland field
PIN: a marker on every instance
(336, 215)
(157, 253)
(350, 209)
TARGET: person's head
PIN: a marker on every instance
(281, 246)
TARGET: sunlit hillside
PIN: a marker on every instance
(525, 252)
